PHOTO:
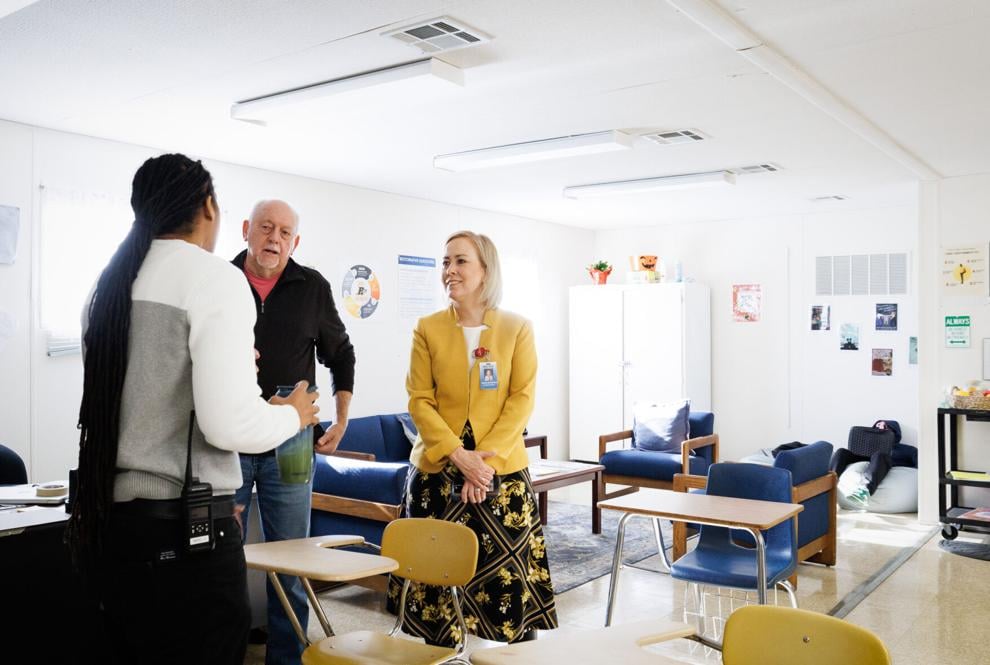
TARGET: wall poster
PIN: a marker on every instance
(747, 302)
(886, 316)
(883, 362)
(360, 291)
(418, 286)
(957, 332)
(821, 317)
(964, 270)
(849, 337)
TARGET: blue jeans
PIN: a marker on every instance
(285, 511)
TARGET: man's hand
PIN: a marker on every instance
(331, 438)
(303, 401)
(257, 356)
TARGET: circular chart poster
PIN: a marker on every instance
(360, 291)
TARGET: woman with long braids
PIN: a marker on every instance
(169, 330)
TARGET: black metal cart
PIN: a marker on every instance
(949, 511)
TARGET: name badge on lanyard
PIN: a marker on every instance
(488, 375)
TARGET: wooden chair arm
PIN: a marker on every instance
(352, 454)
(537, 441)
(693, 444)
(814, 487)
(684, 481)
(608, 438)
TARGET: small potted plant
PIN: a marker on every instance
(599, 271)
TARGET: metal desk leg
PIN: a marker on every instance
(661, 546)
(317, 607)
(613, 583)
(761, 566)
(280, 592)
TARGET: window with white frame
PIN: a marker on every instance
(79, 232)
(521, 291)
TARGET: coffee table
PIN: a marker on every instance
(553, 474)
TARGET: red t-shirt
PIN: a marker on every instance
(263, 285)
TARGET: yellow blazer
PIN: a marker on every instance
(443, 396)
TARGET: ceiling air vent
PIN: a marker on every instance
(830, 197)
(438, 34)
(676, 137)
(757, 168)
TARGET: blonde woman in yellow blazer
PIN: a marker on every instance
(471, 384)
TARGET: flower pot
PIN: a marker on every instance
(599, 276)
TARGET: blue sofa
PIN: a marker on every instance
(361, 487)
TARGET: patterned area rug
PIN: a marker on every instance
(577, 556)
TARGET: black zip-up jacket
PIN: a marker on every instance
(298, 317)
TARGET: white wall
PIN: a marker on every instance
(958, 216)
(341, 226)
(776, 381)
(15, 293)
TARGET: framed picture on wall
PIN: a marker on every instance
(849, 337)
(821, 317)
(883, 362)
(747, 302)
(886, 317)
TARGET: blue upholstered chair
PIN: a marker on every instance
(719, 560)
(12, 471)
(814, 486)
(635, 468)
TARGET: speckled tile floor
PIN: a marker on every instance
(927, 611)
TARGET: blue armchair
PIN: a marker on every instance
(637, 468)
(813, 486)
(360, 488)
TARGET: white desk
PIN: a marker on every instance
(316, 559)
(15, 520)
(618, 644)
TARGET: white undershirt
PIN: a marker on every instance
(472, 337)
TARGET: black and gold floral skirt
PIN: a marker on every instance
(511, 592)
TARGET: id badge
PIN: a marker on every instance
(488, 374)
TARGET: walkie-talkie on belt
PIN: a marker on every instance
(197, 504)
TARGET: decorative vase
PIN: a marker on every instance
(599, 276)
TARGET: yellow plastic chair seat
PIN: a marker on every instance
(365, 647)
(767, 635)
(429, 552)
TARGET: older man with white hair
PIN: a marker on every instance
(297, 323)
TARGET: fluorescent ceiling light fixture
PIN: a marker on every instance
(424, 70)
(534, 151)
(661, 183)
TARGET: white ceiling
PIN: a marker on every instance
(164, 74)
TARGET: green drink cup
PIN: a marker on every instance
(295, 455)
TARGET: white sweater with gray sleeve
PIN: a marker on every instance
(191, 345)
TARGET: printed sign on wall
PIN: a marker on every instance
(957, 332)
(964, 270)
(360, 291)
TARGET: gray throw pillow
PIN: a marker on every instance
(661, 427)
(408, 427)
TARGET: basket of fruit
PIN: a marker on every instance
(971, 398)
